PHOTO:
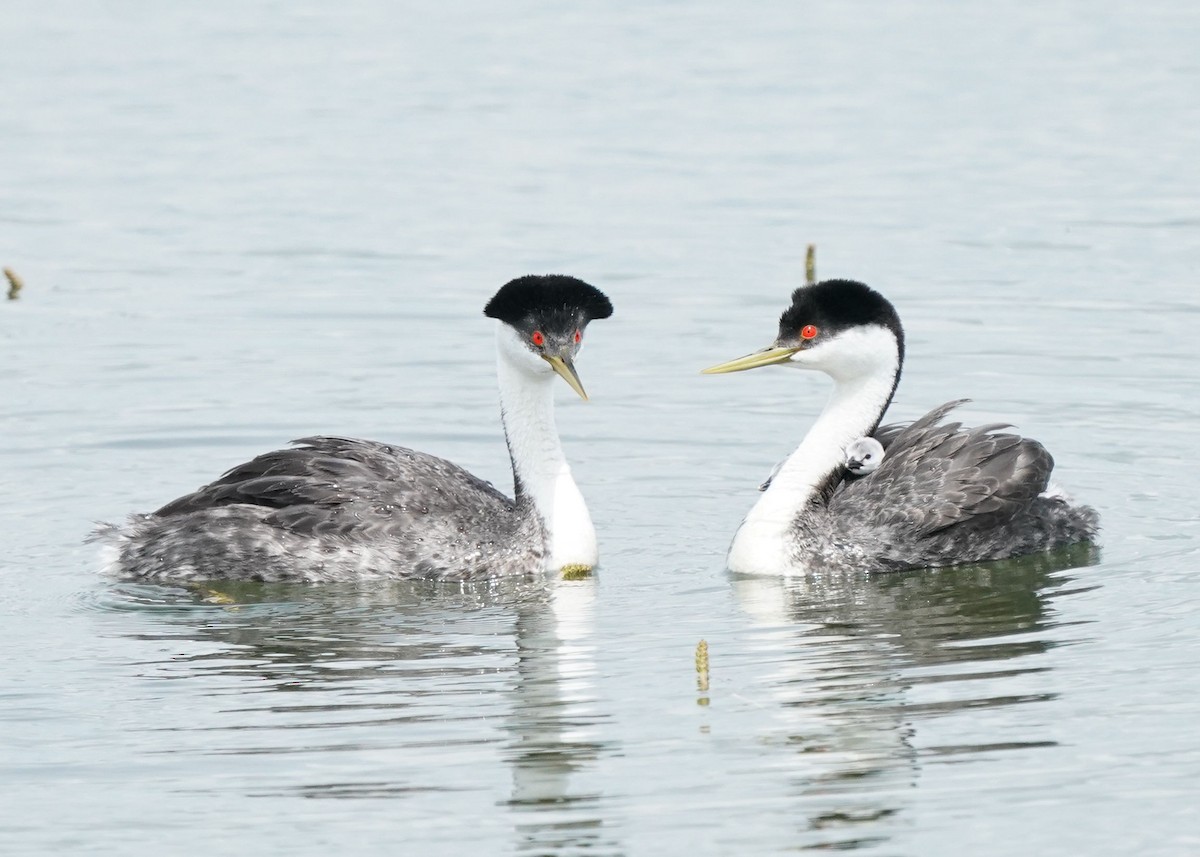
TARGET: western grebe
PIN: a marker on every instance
(337, 509)
(942, 494)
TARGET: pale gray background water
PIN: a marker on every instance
(244, 223)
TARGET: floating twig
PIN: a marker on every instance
(702, 672)
(810, 264)
(14, 283)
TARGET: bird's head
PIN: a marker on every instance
(543, 322)
(840, 327)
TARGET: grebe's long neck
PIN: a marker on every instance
(540, 470)
(860, 398)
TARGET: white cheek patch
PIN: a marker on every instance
(851, 353)
(518, 352)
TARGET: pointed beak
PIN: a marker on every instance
(766, 357)
(564, 367)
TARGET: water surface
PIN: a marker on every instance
(241, 225)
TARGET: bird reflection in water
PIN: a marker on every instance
(863, 665)
(553, 729)
(402, 687)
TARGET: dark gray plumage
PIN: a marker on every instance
(337, 509)
(942, 494)
(945, 494)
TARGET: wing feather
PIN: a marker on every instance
(337, 485)
(939, 474)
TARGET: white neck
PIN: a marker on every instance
(527, 410)
(860, 395)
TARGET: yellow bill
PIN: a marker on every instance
(766, 357)
(564, 367)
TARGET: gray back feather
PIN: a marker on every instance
(328, 473)
(937, 475)
(334, 508)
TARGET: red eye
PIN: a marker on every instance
(578, 336)
(808, 331)
(538, 339)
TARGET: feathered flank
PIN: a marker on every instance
(944, 494)
(942, 486)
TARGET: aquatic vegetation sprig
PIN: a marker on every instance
(576, 572)
(15, 284)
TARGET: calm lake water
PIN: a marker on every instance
(244, 223)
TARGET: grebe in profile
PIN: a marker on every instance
(942, 494)
(336, 509)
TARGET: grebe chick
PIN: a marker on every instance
(864, 456)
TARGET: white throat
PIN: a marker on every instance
(863, 365)
(527, 410)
